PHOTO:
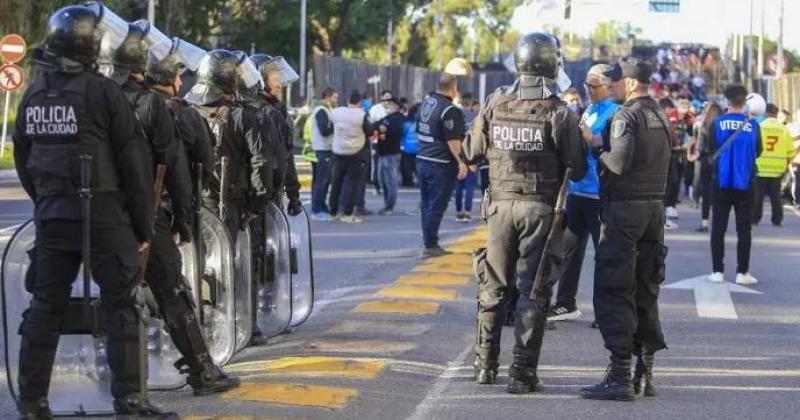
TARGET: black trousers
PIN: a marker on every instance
(408, 167)
(55, 261)
(583, 221)
(675, 175)
(629, 270)
(348, 175)
(741, 202)
(702, 185)
(770, 187)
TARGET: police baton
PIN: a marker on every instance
(224, 180)
(85, 193)
(158, 191)
(554, 244)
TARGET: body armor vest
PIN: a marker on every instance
(522, 152)
(61, 130)
(647, 177)
(432, 142)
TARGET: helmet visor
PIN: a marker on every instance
(249, 73)
(189, 55)
(111, 27)
(158, 43)
(280, 69)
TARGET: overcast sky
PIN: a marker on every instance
(707, 21)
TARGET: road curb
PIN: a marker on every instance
(8, 174)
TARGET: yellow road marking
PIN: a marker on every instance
(444, 268)
(326, 366)
(293, 394)
(433, 279)
(360, 346)
(461, 259)
(397, 307)
(226, 418)
(418, 292)
(396, 328)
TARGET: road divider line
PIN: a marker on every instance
(293, 395)
(418, 292)
(358, 346)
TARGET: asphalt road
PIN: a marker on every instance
(391, 338)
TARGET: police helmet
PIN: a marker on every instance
(71, 34)
(537, 54)
(217, 75)
(182, 56)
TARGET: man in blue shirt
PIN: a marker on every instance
(583, 202)
(734, 165)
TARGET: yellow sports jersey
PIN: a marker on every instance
(776, 148)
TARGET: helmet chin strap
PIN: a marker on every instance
(530, 87)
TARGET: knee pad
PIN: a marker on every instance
(42, 318)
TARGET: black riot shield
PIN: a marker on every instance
(81, 379)
(214, 289)
(273, 291)
(302, 267)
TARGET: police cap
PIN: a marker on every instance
(633, 68)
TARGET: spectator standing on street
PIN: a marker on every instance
(704, 167)
(465, 188)
(390, 135)
(735, 145)
(777, 150)
(409, 147)
(322, 143)
(350, 128)
(583, 201)
(440, 130)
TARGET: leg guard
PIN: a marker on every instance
(127, 356)
(39, 331)
(487, 346)
(644, 370)
(529, 333)
(182, 324)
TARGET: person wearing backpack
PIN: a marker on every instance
(735, 142)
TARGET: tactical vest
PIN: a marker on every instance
(227, 144)
(61, 130)
(522, 153)
(432, 142)
(647, 177)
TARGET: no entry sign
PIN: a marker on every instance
(12, 48)
(11, 77)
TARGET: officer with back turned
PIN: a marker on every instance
(629, 266)
(96, 119)
(530, 138)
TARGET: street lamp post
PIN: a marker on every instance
(151, 11)
(303, 13)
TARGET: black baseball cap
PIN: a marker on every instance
(634, 68)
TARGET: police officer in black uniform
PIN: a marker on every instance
(629, 266)
(93, 117)
(530, 137)
(193, 135)
(286, 173)
(237, 137)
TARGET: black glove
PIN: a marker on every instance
(183, 230)
(294, 207)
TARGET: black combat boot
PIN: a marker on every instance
(211, 380)
(617, 384)
(644, 369)
(487, 347)
(35, 410)
(522, 377)
(135, 407)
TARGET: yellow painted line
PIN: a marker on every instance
(433, 279)
(460, 259)
(396, 328)
(359, 346)
(293, 394)
(226, 418)
(418, 292)
(444, 268)
(326, 366)
(398, 307)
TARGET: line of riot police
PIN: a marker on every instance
(225, 258)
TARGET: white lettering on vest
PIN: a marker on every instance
(53, 120)
(523, 139)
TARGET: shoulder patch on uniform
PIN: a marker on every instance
(618, 128)
(427, 107)
(449, 124)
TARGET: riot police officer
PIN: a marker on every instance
(630, 257)
(278, 74)
(530, 138)
(174, 298)
(69, 111)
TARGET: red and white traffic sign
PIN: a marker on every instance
(11, 77)
(12, 48)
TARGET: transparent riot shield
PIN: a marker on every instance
(81, 380)
(214, 289)
(274, 288)
(162, 353)
(243, 289)
(302, 268)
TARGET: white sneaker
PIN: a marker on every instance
(746, 279)
(716, 277)
(350, 219)
(670, 225)
(672, 213)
